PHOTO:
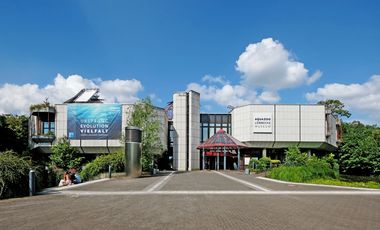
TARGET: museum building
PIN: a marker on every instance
(95, 127)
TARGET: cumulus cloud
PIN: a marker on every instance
(120, 90)
(218, 79)
(17, 98)
(363, 97)
(268, 64)
(234, 95)
(266, 68)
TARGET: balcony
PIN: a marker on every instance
(43, 138)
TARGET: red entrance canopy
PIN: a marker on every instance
(221, 140)
(214, 154)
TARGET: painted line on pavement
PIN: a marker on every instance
(316, 185)
(246, 183)
(137, 193)
(55, 189)
(158, 185)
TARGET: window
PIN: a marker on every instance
(204, 133)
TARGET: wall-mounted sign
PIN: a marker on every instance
(93, 121)
(262, 122)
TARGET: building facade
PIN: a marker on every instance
(95, 127)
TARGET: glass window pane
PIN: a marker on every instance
(218, 119)
(212, 131)
(225, 119)
(205, 134)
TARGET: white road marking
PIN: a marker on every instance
(134, 193)
(316, 185)
(158, 185)
(54, 189)
(246, 183)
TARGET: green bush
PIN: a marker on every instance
(275, 163)
(101, 163)
(261, 165)
(13, 175)
(294, 157)
(315, 168)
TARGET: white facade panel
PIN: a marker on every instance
(287, 123)
(313, 123)
(305, 125)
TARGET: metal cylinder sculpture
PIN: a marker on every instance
(32, 183)
(133, 151)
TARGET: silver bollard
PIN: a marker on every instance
(133, 166)
(32, 182)
(109, 171)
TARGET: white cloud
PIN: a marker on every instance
(120, 90)
(17, 98)
(219, 79)
(154, 97)
(234, 95)
(266, 67)
(268, 64)
(363, 97)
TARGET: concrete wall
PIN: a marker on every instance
(302, 125)
(179, 126)
(194, 129)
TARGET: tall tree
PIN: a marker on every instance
(145, 117)
(14, 133)
(359, 153)
(336, 107)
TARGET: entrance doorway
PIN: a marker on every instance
(211, 162)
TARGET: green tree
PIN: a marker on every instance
(14, 133)
(359, 154)
(145, 117)
(64, 155)
(336, 107)
(13, 175)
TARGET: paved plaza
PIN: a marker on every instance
(194, 200)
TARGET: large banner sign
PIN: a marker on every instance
(262, 122)
(93, 121)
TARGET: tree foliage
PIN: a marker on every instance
(14, 133)
(359, 154)
(336, 107)
(145, 117)
(64, 155)
(13, 175)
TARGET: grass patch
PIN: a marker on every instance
(367, 184)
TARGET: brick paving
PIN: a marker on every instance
(76, 210)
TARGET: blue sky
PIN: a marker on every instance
(300, 52)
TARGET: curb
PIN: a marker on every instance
(56, 189)
(317, 185)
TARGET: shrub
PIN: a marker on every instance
(13, 175)
(261, 165)
(275, 163)
(314, 168)
(101, 163)
(294, 157)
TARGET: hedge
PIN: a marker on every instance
(313, 169)
(101, 163)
